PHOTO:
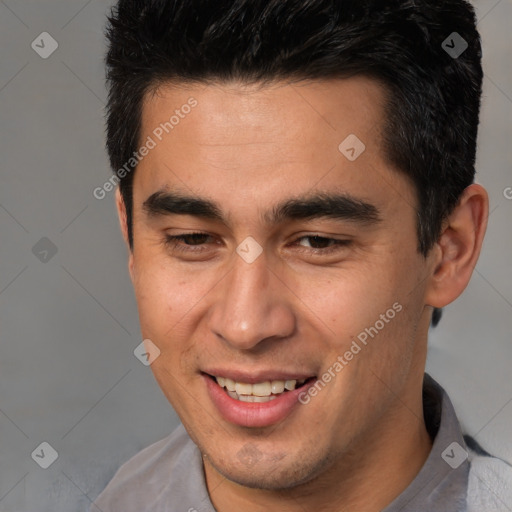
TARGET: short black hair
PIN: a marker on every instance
(433, 82)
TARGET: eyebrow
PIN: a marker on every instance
(316, 206)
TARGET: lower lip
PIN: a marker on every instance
(254, 414)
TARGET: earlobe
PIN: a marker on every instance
(458, 247)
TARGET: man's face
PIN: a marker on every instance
(305, 283)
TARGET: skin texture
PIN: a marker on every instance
(248, 148)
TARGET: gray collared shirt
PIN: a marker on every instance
(168, 475)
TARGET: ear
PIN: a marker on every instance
(123, 222)
(458, 248)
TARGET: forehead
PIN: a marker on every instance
(310, 109)
(259, 141)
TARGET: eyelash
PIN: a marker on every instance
(173, 243)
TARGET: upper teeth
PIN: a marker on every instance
(267, 388)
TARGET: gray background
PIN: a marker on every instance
(69, 326)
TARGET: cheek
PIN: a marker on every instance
(371, 306)
(159, 297)
(348, 301)
(169, 297)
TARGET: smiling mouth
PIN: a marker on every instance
(259, 392)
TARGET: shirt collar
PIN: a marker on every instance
(441, 484)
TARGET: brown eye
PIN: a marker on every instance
(190, 238)
(187, 242)
(323, 245)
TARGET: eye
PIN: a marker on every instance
(194, 243)
(187, 242)
(323, 245)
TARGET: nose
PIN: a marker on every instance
(252, 306)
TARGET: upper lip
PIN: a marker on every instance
(257, 375)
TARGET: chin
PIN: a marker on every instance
(273, 474)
